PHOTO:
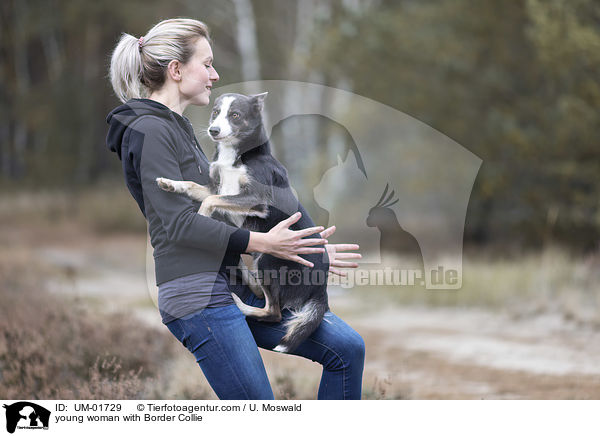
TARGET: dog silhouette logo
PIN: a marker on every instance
(26, 415)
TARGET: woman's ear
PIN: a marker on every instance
(259, 101)
(174, 70)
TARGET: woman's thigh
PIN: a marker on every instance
(334, 344)
(330, 344)
(225, 349)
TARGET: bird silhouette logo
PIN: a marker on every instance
(394, 240)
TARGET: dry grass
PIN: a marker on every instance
(52, 347)
(106, 208)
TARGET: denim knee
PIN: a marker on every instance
(349, 353)
(356, 349)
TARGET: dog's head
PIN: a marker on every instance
(236, 117)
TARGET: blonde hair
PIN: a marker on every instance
(138, 66)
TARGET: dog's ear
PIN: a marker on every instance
(259, 101)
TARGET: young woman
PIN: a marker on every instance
(156, 77)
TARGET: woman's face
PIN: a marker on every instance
(198, 75)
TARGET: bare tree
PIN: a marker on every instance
(247, 44)
(23, 81)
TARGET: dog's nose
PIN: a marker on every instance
(214, 131)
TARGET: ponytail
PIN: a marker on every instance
(138, 66)
(126, 69)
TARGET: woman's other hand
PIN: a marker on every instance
(335, 254)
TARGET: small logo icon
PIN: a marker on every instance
(26, 415)
(394, 239)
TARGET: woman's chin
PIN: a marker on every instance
(200, 99)
(203, 100)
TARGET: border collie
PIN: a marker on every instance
(250, 188)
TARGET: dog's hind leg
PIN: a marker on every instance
(252, 281)
(271, 312)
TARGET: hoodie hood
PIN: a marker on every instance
(120, 118)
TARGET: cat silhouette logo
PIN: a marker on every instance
(26, 415)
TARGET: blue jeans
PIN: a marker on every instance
(224, 344)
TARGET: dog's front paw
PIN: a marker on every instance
(205, 210)
(208, 206)
(165, 184)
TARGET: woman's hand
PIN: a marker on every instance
(287, 244)
(333, 250)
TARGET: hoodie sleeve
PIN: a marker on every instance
(179, 217)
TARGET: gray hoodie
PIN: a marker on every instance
(153, 141)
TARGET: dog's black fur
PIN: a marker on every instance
(250, 188)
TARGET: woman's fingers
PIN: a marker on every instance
(338, 272)
(311, 241)
(328, 232)
(297, 242)
(346, 247)
(344, 264)
(310, 231)
(286, 223)
(310, 250)
(301, 261)
(348, 255)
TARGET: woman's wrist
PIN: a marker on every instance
(258, 243)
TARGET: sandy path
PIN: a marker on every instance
(465, 353)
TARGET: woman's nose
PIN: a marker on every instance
(214, 76)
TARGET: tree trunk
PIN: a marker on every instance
(21, 65)
(88, 124)
(306, 12)
(5, 150)
(246, 40)
(20, 145)
(53, 54)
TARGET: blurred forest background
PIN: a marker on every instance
(515, 82)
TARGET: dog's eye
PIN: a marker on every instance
(235, 115)
(215, 112)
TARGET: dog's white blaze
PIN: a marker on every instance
(221, 121)
(230, 176)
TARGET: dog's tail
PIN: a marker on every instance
(301, 325)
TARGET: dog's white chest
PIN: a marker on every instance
(230, 178)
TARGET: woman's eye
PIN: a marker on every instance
(235, 115)
(208, 66)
